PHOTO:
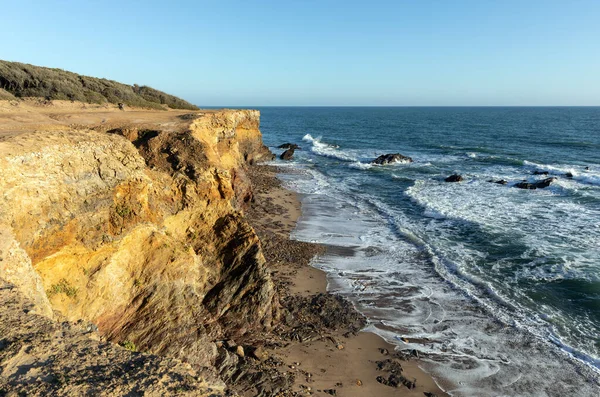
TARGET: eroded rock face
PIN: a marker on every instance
(41, 357)
(140, 230)
(16, 266)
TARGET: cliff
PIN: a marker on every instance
(134, 222)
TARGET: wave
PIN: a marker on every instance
(398, 285)
(579, 173)
(310, 182)
(402, 178)
(500, 307)
(361, 166)
(500, 160)
(505, 211)
(367, 166)
(327, 150)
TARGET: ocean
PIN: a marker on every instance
(497, 287)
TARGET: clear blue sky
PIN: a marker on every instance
(402, 52)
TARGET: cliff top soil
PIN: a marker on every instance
(18, 116)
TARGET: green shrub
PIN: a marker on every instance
(129, 345)
(62, 287)
(123, 210)
(22, 80)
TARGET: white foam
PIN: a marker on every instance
(580, 175)
(366, 166)
(397, 290)
(417, 282)
(361, 166)
(306, 180)
(327, 150)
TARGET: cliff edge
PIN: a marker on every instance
(133, 221)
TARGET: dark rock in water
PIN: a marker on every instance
(569, 175)
(454, 178)
(499, 182)
(429, 394)
(525, 185)
(391, 158)
(540, 172)
(289, 146)
(587, 168)
(287, 155)
(331, 392)
(544, 183)
(535, 185)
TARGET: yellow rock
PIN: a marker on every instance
(140, 230)
(240, 351)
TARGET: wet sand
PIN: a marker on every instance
(337, 361)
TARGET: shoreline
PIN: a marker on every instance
(343, 363)
(309, 342)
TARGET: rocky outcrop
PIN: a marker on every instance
(16, 266)
(544, 183)
(287, 155)
(289, 146)
(392, 158)
(454, 178)
(138, 228)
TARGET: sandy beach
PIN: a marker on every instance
(337, 362)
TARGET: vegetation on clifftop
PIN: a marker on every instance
(23, 80)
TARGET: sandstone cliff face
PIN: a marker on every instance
(138, 228)
(41, 357)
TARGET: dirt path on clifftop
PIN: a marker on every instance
(27, 115)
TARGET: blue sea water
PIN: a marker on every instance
(498, 287)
